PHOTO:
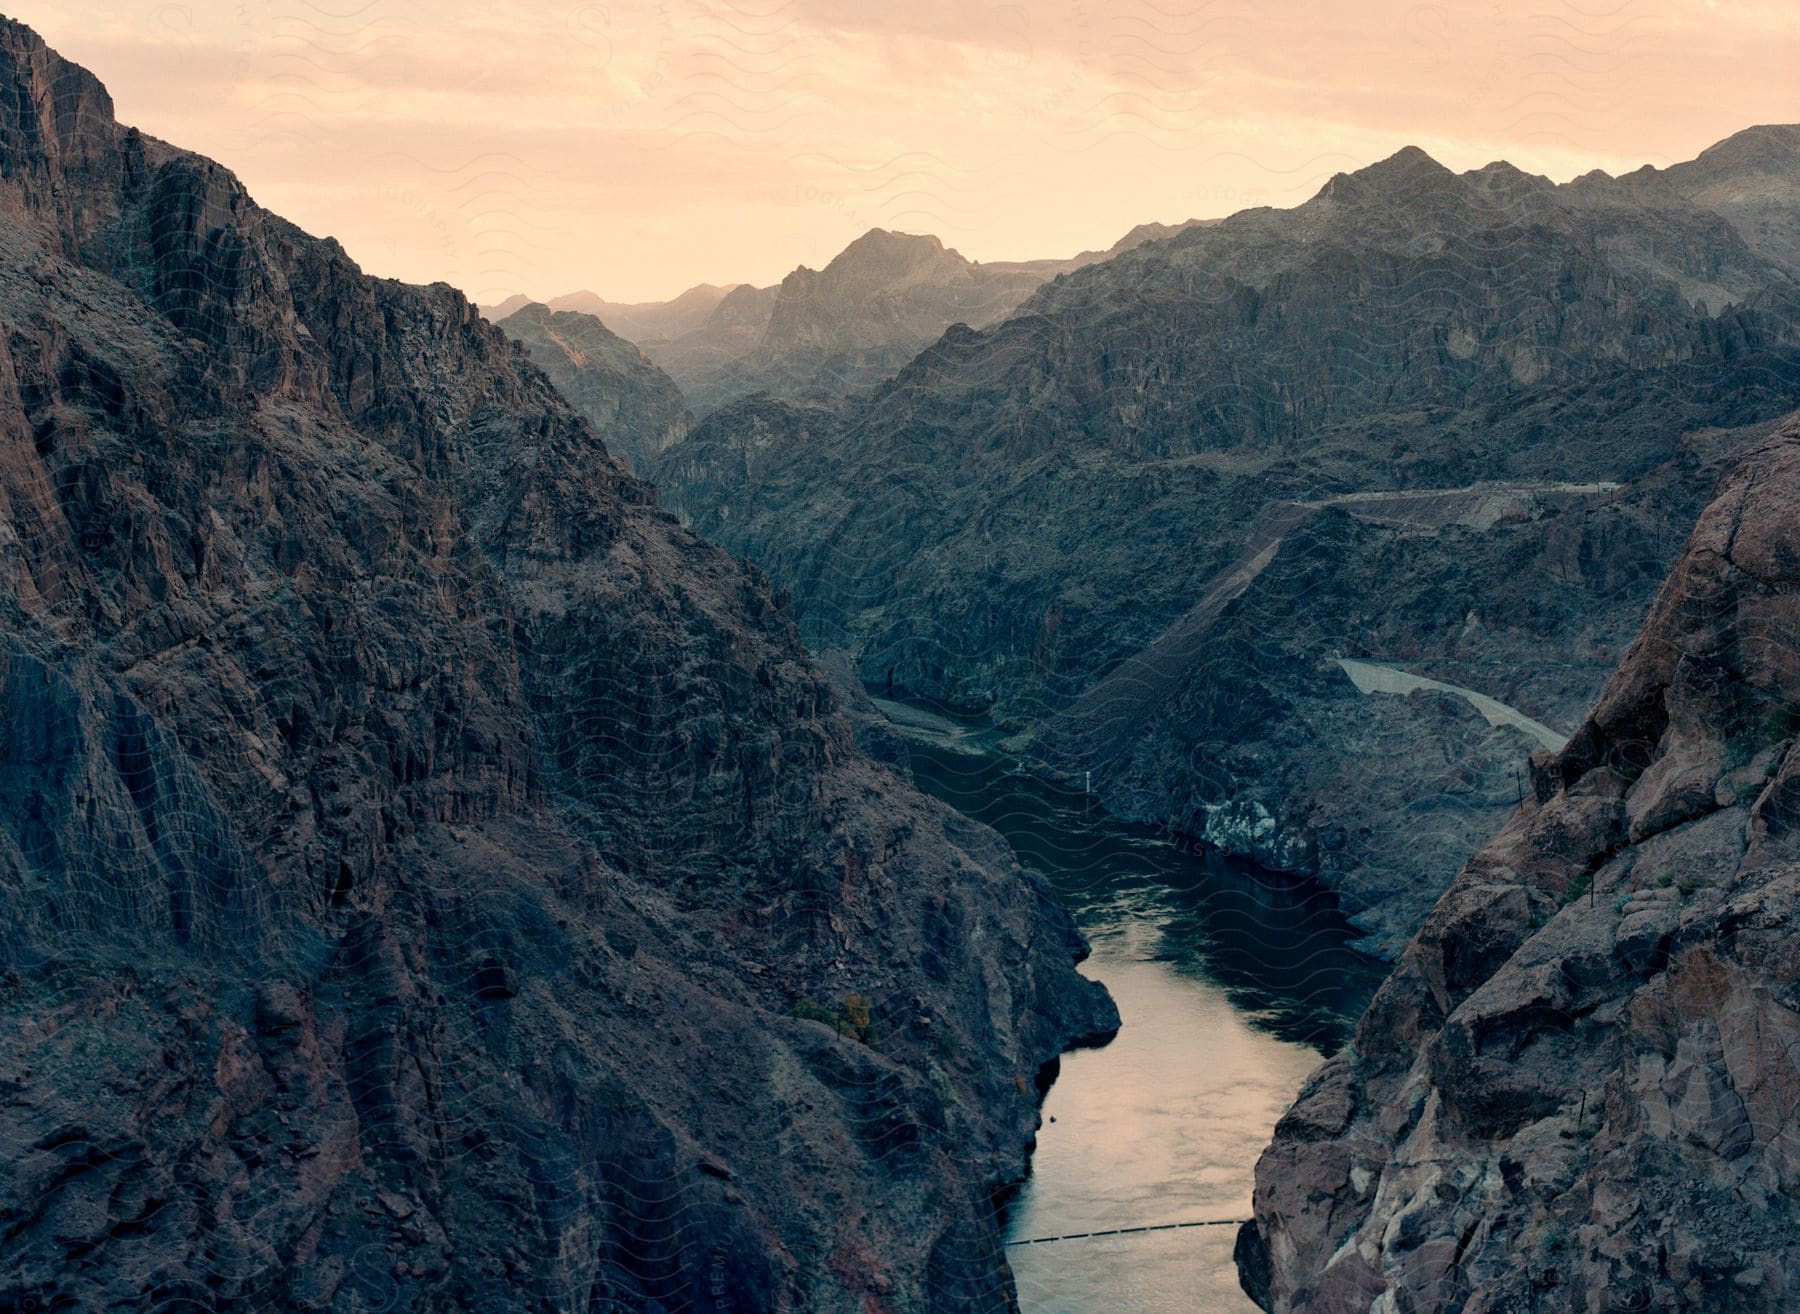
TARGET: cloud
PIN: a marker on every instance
(637, 146)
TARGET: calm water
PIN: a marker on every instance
(1232, 981)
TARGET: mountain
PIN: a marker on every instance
(634, 407)
(429, 877)
(649, 321)
(1145, 519)
(839, 329)
(1753, 179)
(700, 357)
(511, 306)
(635, 321)
(1577, 1090)
(828, 332)
(1154, 232)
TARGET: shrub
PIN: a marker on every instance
(1760, 723)
(1555, 1243)
(854, 1021)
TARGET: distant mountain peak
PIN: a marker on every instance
(1593, 178)
(501, 310)
(1155, 232)
(882, 251)
(1500, 169)
(1408, 164)
(1407, 173)
(708, 293)
(888, 239)
(1766, 147)
(530, 310)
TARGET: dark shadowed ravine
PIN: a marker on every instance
(1230, 980)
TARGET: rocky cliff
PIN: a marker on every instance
(1578, 1090)
(430, 878)
(635, 408)
(1431, 420)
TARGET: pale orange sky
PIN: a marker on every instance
(638, 146)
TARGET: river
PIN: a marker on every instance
(1231, 982)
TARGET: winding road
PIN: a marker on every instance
(1385, 678)
(1101, 724)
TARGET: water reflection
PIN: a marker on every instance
(1231, 982)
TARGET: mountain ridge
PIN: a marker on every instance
(422, 862)
(832, 331)
(1039, 501)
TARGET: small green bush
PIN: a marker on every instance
(1761, 723)
(853, 1021)
(1555, 1242)
(1739, 749)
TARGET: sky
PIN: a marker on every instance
(636, 147)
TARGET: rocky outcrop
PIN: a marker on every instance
(430, 878)
(1578, 1089)
(1061, 502)
(634, 407)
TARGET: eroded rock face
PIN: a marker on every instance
(414, 848)
(1579, 1088)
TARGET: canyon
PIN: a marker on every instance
(431, 877)
(489, 795)
(1453, 423)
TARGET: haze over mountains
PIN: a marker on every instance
(436, 873)
(644, 321)
(827, 332)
